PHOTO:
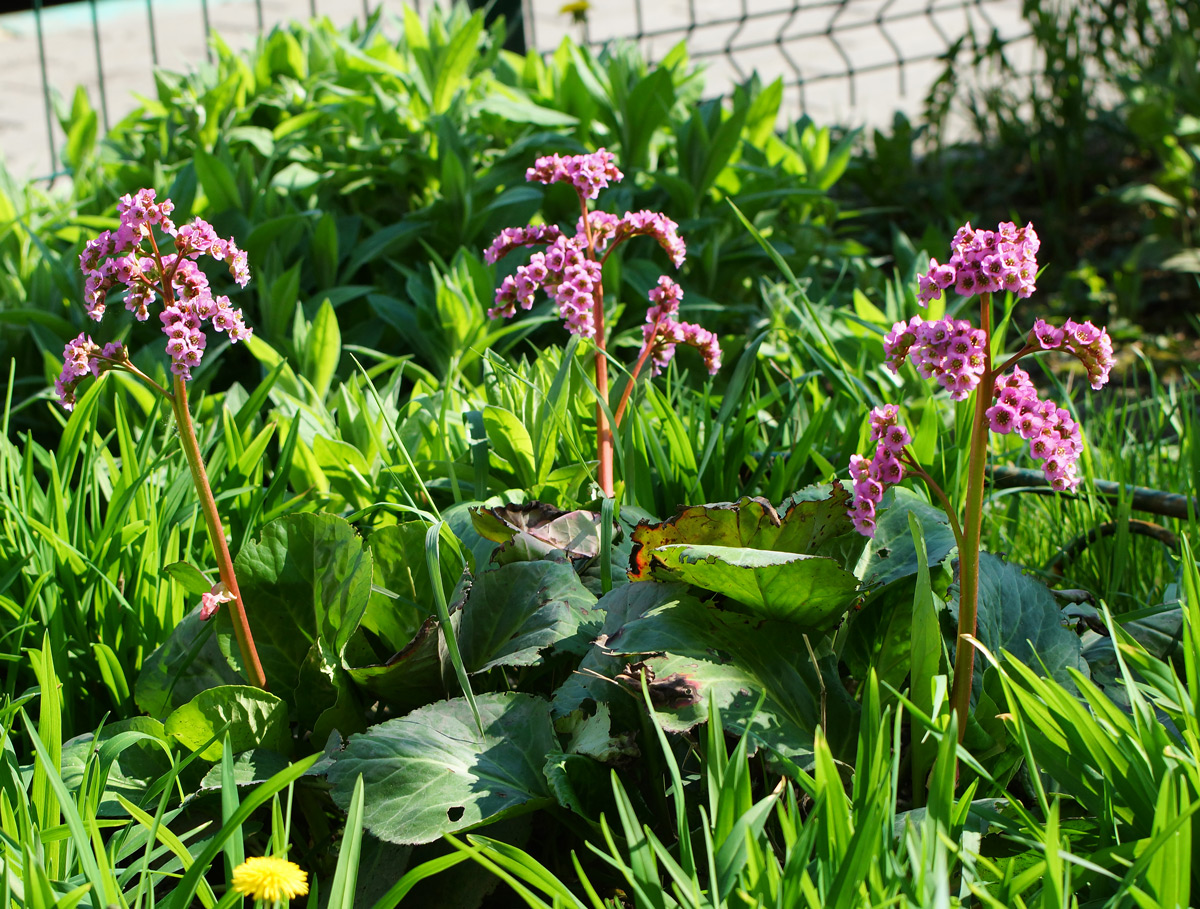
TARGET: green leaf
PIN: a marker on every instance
(522, 110)
(186, 663)
(1020, 615)
(696, 654)
(510, 439)
(384, 242)
(893, 554)
(811, 526)
(792, 567)
(411, 678)
(189, 577)
(401, 597)
(249, 769)
(133, 754)
(307, 577)
(456, 61)
(218, 183)
(621, 606)
(256, 718)
(806, 590)
(82, 131)
(433, 772)
(515, 612)
(323, 349)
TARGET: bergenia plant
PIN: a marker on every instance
(569, 271)
(150, 259)
(958, 356)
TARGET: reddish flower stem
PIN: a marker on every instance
(604, 434)
(637, 368)
(216, 534)
(917, 471)
(208, 507)
(968, 554)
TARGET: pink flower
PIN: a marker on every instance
(1054, 437)
(512, 237)
(83, 356)
(587, 173)
(984, 261)
(1090, 345)
(883, 470)
(654, 224)
(949, 350)
(210, 602)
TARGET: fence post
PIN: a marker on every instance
(514, 19)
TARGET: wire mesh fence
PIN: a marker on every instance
(807, 43)
(846, 61)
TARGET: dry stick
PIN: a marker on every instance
(1141, 498)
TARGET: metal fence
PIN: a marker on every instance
(846, 61)
(808, 43)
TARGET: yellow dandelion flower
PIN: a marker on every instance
(270, 878)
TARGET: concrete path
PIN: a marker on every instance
(809, 40)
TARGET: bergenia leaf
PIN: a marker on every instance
(794, 567)
(433, 772)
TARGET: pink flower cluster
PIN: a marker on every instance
(1054, 437)
(566, 273)
(130, 256)
(984, 261)
(662, 331)
(512, 237)
(569, 270)
(587, 173)
(1090, 345)
(82, 356)
(949, 350)
(884, 469)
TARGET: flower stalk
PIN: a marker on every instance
(958, 356)
(216, 535)
(131, 257)
(972, 530)
(570, 272)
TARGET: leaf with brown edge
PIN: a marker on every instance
(535, 530)
(809, 526)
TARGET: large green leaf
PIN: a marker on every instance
(810, 591)
(433, 772)
(255, 718)
(620, 606)
(402, 597)
(510, 439)
(132, 754)
(411, 678)
(308, 576)
(516, 611)
(186, 663)
(694, 653)
(809, 525)
(1019, 614)
(893, 555)
(250, 768)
